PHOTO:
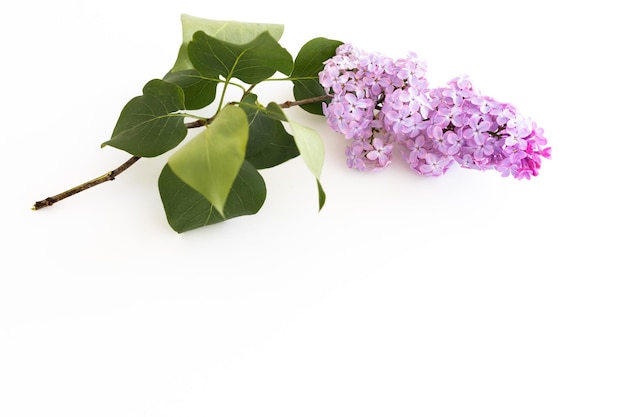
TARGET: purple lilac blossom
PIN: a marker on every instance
(379, 104)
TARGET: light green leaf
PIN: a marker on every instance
(310, 146)
(209, 163)
(229, 31)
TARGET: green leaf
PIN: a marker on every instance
(269, 144)
(251, 63)
(187, 209)
(321, 194)
(199, 91)
(211, 160)
(229, 31)
(310, 145)
(306, 69)
(147, 125)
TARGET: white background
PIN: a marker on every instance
(465, 295)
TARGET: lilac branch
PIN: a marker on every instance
(111, 175)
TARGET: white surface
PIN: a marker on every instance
(466, 295)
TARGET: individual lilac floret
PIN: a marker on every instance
(378, 103)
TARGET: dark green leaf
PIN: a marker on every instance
(147, 125)
(306, 69)
(310, 146)
(269, 144)
(229, 31)
(251, 63)
(321, 194)
(187, 209)
(199, 91)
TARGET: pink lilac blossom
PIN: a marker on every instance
(379, 104)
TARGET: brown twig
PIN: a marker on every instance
(311, 100)
(109, 176)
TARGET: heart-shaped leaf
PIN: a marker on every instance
(210, 161)
(148, 125)
(187, 209)
(251, 63)
(307, 66)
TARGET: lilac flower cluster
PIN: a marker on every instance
(378, 104)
